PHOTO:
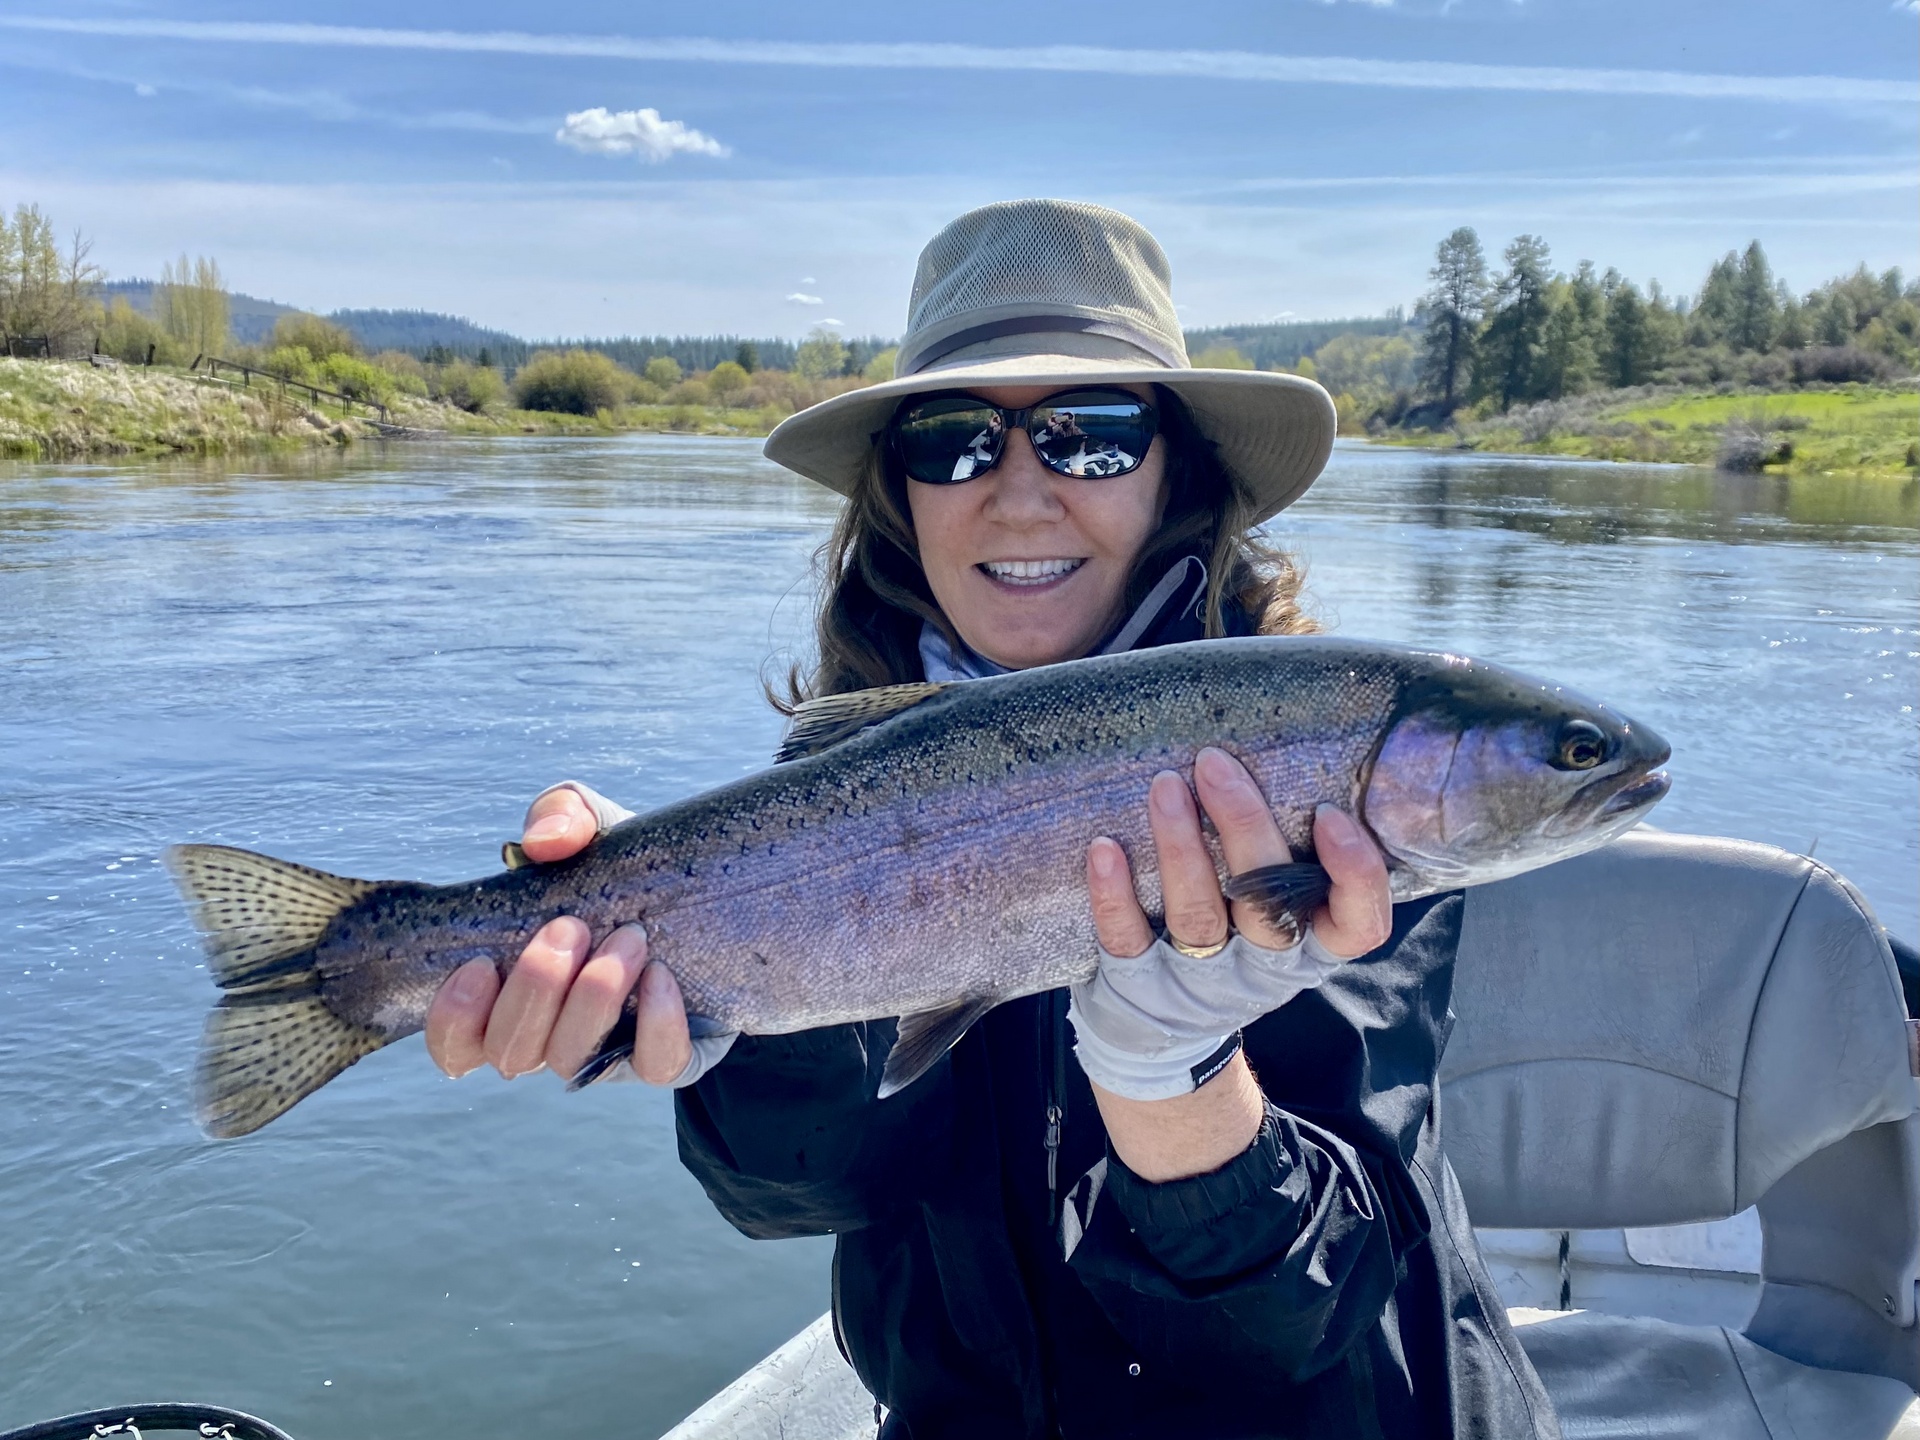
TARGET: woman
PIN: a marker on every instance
(1203, 1195)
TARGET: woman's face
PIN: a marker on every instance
(1030, 566)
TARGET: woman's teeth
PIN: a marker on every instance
(1029, 572)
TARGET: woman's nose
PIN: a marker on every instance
(1023, 488)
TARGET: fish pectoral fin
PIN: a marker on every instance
(821, 724)
(925, 1037)
(1285, 895)
(617, 1046)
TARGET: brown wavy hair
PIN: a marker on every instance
(874, 595)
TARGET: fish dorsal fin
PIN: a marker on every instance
(925, 1037)
(821, 724)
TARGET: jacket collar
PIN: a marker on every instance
(1174, 610)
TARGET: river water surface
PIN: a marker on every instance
(372, 662)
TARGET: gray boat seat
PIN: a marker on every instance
(1667, 1031)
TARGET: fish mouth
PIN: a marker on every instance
(1637, 795)
(1615, 798)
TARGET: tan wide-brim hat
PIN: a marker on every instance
(1049, 292)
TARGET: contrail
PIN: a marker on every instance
(1246, 65)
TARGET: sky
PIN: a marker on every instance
(756, 168)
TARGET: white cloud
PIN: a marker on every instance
(831, 321)
(801, 298)
(145, 92)
(600, 131)
(809, 280)
(1242, 65)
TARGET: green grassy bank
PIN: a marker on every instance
(1836, 430)
(70, 410)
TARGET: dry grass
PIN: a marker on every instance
(57, 409)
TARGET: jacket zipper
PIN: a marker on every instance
(1054, 1048)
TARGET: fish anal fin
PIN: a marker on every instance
(258, 916)
(821, 724)
(264, 1051)
(1285, 895)
(925, 1037)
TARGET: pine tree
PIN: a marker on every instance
(1512, 343)
(1574, 337)
(1756, 310)
(1711, 319)
(1452, 311)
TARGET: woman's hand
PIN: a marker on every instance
(1357, 917)
(558, 1002)
(1152, 1024)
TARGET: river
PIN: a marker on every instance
(371, 661)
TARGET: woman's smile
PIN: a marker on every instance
(1030, 574)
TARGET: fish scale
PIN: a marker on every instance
(923, 853)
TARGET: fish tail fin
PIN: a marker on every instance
(272, 1041)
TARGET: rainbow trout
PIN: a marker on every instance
(919, 851)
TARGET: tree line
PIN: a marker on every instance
(1527, 333)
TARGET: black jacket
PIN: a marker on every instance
(1325, 1283)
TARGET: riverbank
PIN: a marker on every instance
(69, 409)
(1834, 430)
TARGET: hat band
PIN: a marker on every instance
(917, 361)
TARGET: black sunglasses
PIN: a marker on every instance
(1088, 434)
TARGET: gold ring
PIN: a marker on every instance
(1200, 952)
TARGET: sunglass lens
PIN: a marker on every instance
(1093, 433)
(942, 442)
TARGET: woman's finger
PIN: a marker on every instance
(1358, 915)
(661, 1045)
(1117, 917)
(594, 1000)
(529, 1003)
(1189, 884)
(457, 1018)
(1250, 837)
(559, 825)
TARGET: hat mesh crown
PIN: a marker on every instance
(1039, 256)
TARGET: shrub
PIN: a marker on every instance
(880, 369)
(319, 338)
(578, 382)
(725, 379)
(473, 388)
(1221, 357)
(1839, 365)
(663, 371)
(409, 375)
(821, 356)
(1746, 447)
(126, 335)
(290, 362)
(361, 379)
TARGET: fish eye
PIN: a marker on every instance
(1582, 746)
